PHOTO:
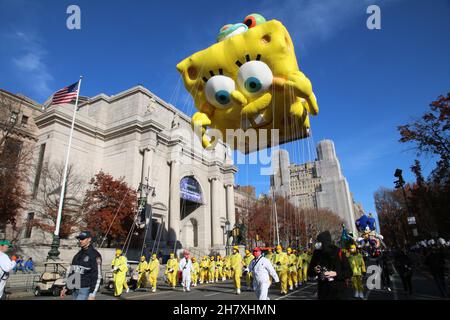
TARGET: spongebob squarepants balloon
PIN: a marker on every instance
(250, 79)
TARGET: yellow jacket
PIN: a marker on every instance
(153, 267)
(212, 265)
(248, 259)
(121, 263)
(195, 268)
(281, 261)
(172, 264)
(292, 262)
(142, 267)
(306, 258)
(299, 262)
(227, 263)
(357, 264)
(204, 264)
(236, 262)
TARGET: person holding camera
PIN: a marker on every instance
(331, 267)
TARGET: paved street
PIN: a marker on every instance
(424, 289)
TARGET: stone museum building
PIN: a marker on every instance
(136, 135)
(317, 184)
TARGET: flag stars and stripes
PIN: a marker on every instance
(65, 94)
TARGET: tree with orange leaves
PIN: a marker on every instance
(109, 208)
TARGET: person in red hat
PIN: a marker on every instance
(185, 266)
(261, 269)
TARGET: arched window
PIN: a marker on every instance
(190, 196)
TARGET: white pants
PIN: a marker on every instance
(186, 279)
(2, 288)
(261, 290)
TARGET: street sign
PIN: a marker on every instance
(411, 220)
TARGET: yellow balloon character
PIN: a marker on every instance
(249, 79)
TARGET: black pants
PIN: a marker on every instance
(331, 290)
(386, 279)
(407, 282)
(439, 278)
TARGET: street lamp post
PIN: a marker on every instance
(227, 236)
(399, 184)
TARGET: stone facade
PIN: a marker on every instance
(136, 135)
(318, 184)
(17, 114)
(244, 199)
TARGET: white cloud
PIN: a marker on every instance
(313, 21)
(30, 64)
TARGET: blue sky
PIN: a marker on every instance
(367, 82)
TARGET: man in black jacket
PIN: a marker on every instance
(331, 266)
(85, 273)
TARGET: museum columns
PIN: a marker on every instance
(231, 214)
(216, 230)
(174, 202)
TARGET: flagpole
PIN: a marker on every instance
(54, 253)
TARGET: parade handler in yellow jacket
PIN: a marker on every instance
(300, 267)
(119, 268)
(227, 267)
(142, 270)
(281, 262)
(219, 269)
(358, 268)
(292, 269)
(248, 275)
(211, 270)
(153, 270)
(305, 258)
(204, 266)
(236, 269)
(172, 270)
(195, 271)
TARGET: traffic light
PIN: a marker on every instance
(400, 182)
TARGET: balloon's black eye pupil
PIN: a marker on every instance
(253, 85)
(222, 97)
(248, 22)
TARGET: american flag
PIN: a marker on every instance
(66, 94)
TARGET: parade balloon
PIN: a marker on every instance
(249, 79)
(362, 222)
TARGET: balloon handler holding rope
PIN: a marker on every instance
(119, 268)
(249, 79)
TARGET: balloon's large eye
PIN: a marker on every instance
(254, 77)
(218, 91)
(254, 19)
